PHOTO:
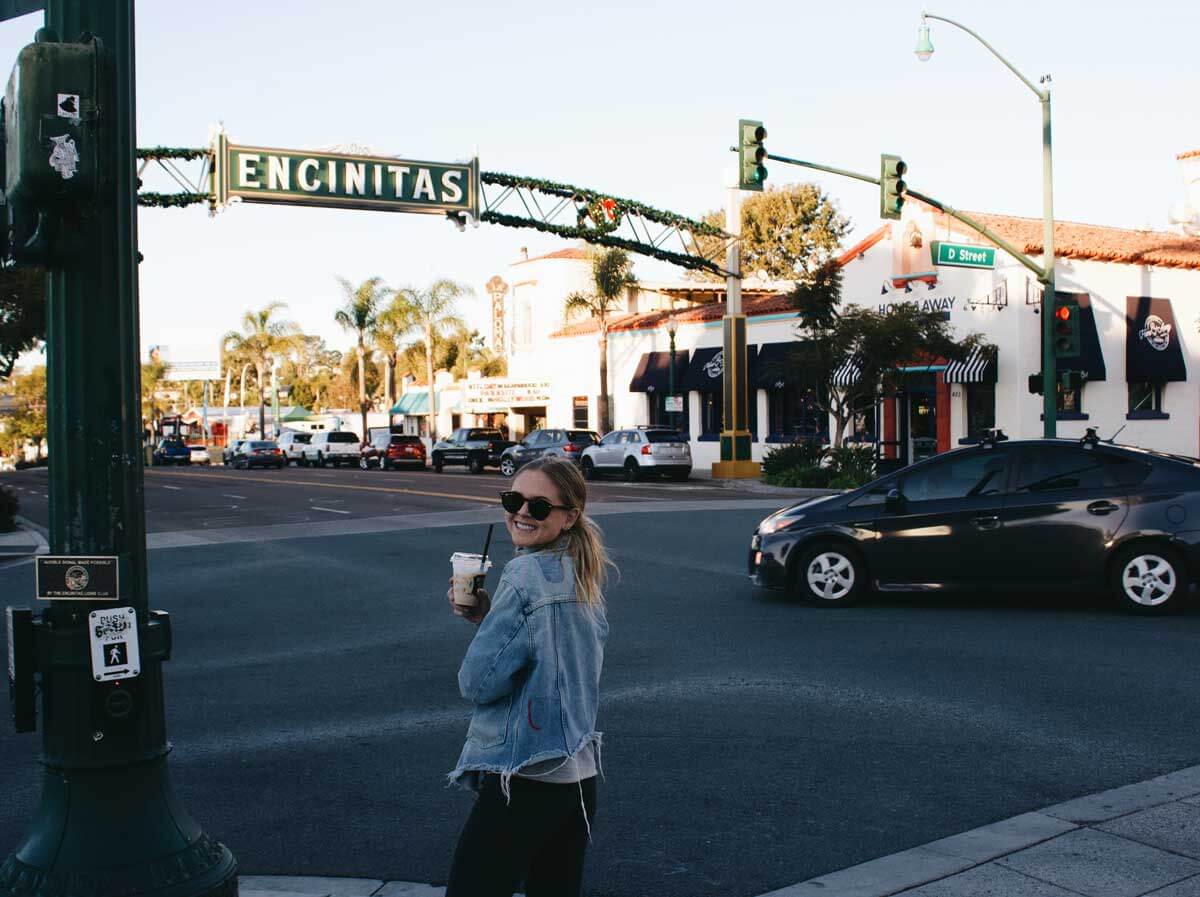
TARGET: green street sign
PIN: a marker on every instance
(962, 255)
(338, 180)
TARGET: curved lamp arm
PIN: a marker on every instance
(1042, 95)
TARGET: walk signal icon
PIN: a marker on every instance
(891, 186)
(1066, 327)
(752, 155)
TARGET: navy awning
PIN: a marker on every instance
(1153, 352)
(653, 372)
(783, 364)
(706, 370)
(1090, 359)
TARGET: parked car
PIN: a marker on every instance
(388, 450)
(476, 447)
(260, 453)
(638, 452)
(229, 453)
(171, 450)
(292, 443)
(331, 447)
(546, 443)
(1032, 514)
(200, 454)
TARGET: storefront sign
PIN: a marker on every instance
(264, 174)
(938, 303)
(484, 396)
(1152, 350)
(672, 404)
(961, 255)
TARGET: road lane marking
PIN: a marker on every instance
(175, 488)
(330, 510)
(231, 495)
(390, 489)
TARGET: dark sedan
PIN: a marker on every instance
(260, 453)
(558, 443)
(1006, 515)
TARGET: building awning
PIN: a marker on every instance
(653, 372)
(412, 403)
(1153, 351)
(783, 364)
(847, 374)
(978, 367)
(706, 370)
(1090, 359)
(291, 413)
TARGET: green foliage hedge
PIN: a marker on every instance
(809, 465)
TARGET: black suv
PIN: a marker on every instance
(1047, 514)
(476, 447)
(543, 443)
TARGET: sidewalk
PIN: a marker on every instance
(25, 541)
(1141, 840)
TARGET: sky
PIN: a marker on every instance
(638, 100)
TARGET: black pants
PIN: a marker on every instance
(540, 837)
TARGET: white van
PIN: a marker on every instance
(331, 447)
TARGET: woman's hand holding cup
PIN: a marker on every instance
(473, 614)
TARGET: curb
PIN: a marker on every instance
(36, 535)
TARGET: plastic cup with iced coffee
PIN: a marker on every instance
(468, 574)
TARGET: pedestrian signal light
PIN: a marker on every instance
(752, 155)
(891, 186)
(1066, 328)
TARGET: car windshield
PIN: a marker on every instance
(344, 436)
(663, 436)
(304, 438)
(585, 436)
(484, 434)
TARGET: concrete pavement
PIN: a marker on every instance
(1141, 840)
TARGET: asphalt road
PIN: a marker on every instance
(749, 742)
(199, 498)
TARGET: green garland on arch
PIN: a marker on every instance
(624, 206)
(172, 152)
(172, 200)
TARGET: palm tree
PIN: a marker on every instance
(391, 326)
(359, 316)
(612, 272)
(434, 314)
(261, 341)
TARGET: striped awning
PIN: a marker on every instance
(978, 367)
(847, 373)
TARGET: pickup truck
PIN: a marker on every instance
(476, 447)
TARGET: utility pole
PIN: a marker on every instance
(108, 823)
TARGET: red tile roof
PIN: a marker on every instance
(697, 314)
(573, 252)
(1190, 154)
(1093, 242)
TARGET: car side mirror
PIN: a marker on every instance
(894, 500)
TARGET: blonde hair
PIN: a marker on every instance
(585, 542)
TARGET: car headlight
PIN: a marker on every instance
(775, 524)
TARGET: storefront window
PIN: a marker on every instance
(711, 409)
(1145, 398)
(1070, 401)
(795, 414)
(864, 425)
(981, 409)
(579, 417)
(660, 417)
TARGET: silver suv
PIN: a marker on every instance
(331, 447)
(638, 452)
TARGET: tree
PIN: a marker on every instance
(434, 313)
(260, 342)
(391, 326)
(612, 272)
(359, 316)
(876, 344)
(786, 232)
(28, 421)
(152, 382)
(22, 313)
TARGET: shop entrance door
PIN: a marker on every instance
(918, 420)
(532, 418)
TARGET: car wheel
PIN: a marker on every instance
(632, 472)
(507, 467)
(322, 461)
(475, 465)
(362, 463)
(830, 574)
(589, 469)
(437, 463)
(1148, 579)
(383, 464)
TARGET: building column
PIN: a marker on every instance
(943, 412)
(889, 426)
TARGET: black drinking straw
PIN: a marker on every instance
(486, 542)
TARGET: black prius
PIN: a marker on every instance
(1049, 514)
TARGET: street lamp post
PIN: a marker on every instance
(275, 395)
(671, 375)
(923, 51)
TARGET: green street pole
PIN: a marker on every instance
(1046, 275)
(108, 822)
(671, 378)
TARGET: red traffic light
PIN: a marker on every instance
(1063, 313)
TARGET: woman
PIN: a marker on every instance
(533, 673)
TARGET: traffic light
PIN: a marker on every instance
(1066, 327)
(751, 155)
(891, 186)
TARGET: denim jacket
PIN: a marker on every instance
(532, 671)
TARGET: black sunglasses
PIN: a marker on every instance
(539, 508)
